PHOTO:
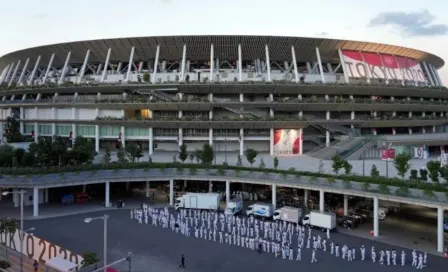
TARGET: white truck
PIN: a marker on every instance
(234, 206)
(288, 214)
(202, 201)
(260, 210)
(322, 220)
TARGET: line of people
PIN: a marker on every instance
(264, 236)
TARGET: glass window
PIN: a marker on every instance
(85, 131)
(109, 131)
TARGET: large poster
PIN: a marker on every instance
(287, 141)
(37, 248)
(379, 66)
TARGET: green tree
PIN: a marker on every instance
(262, 164)
(423, 174)
(444, 171)
(133, 152)
(8, 226)
(207, 154)
(197, 155)
(58, 150)
(414, 174)
(107, 157)
(251, 154)
(12, 130)
(146, 77)
(433, 169)
(19, 153)
(239, 161)
(275, 162)
(121, 156)
(374, 173)
(347, 168)
(183, 154)
(89, 258)
(191, 157)
(83, 151)
(338, 163)
(6, 154)
(402, 164)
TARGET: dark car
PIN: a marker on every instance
(347, 222)
(359, 218)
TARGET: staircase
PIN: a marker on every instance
(330, 127)
(163, 96)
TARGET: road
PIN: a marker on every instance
(158, 249)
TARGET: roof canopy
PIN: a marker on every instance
(198, 48)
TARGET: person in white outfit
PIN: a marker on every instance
(403, 257)
(363, 253)
(414, 258)
(420, 261)
(336, 248)
(328, 234)
(313, 257)
(299, 254)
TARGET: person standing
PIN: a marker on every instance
(182, 261)
(36, 266)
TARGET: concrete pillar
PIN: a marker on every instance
(241, 142)
(305, 197)
(327, 138)
(271, 142)
(433, 129)
(345, 205)
(46, 193)
(375, 216)
(274, 196)
(321, 200)
(210, 186)
(171, 192)
(227, 191)
(147, 189)
(97, 138)
(127, 186)
(440, 241)
(16, 198)
(35, 201)
(84, 189)
(107, 194)
(185, 184)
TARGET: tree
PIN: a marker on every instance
(262, 164)
(191, 157)
(239, 161)
(207, 154)
(107, 157)
(6, 154)
(321, 166)
(414, 174)
(183, 154)
(423, 174)
(89, 258)
(374, 173)
(133, 152)
(12, 130)
(8, 226)
(146, 77)
(197, 155)
(347, 167)
(251, 154)
(58, 150)
(433, 169)
(402, 164)
(444, 171)
(83, 150)
(121, 156)
(275, 162)
(338, 163)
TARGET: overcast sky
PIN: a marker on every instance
(417, 24)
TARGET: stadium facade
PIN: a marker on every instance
(283, 95)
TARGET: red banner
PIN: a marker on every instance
(388, 154)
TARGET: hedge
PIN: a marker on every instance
(93, 168)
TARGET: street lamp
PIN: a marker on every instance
(21, 193)
(104, 218)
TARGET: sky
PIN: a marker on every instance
(417, 24)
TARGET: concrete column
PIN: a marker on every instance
(327, 138)
(274, 196)
(185, 184)
(127, 186)
(440, 241)
(151, 142)
(352, 115)
(271, 142)
(210, 186)
(227, 191)
(433, 129)
(16, 198)
(241, 142)
(171, 192)
(375, 216)
(410, 131)
(301, 141)
(84, 189)
(321, 200)
(345, 205)
(210, 136)
(46, 193)
(35, 201)
(305, 197)
(107, 194)
(147, 189)
(97, 138)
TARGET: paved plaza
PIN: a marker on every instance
(159, 249)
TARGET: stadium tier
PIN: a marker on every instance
(282, 95)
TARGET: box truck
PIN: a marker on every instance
(260, 210)
(202, 201)
(322, 220)
(288, 214)
(234, 206)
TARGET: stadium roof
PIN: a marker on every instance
(198, 48)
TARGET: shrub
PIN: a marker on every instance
(384, 189)
(402, 191)
(338, 164)
(365, 186)
(374, 173)
(4, 264)
(347, 183)
(424, 174)
(331, 180)
(429, 193)
(414, 174)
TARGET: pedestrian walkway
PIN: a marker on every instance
(13, 257)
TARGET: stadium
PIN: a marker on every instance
(279, 95)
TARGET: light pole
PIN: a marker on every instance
(21, 193)
(104, 218)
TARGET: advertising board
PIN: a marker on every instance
(380, 66)
(287, 141)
